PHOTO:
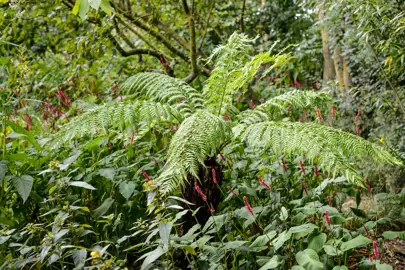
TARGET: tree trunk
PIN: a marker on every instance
(338, 68)
(209, 188)
(328, 68)
(346, 75)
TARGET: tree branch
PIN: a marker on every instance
(193, 47)
(150, 52)
(242, 25)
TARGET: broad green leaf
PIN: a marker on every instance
(316, 242)
(354, 243)
(152, 256)
(76, 7)
(23, 185)
(95, 4)
(103, 208)
(180, 199)
(3, 170)
(106, 7)
(107, 173)
(25, 132)
(272, 263)
(281, 239)
(302, 230)
(66, 163)
(4, 239)
(79, 257)
(81, 184)
(126, 189)
(309, 259)
(337, 219)
(234, 244)
(59, 235)
(164, 232)
(392, 235)
(383, 266)
(340, 268)
(84, 9)
(44, 252)
(262, 240)
(283, 214)
(189, 249)
(297, 267)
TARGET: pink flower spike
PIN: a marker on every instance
(252, 104)
(214, 176)
(375, 247)
(357, 130)
(327, 218)
(333, 111)
(370, 257)
(284, 165)
(233, 192)
(358, 114)
(302, 167)
(316, 171)
(367, 232)
(145, 175)
(263, 183)
(248, 207)
(199, 191)
(329, 201)
(212, 209)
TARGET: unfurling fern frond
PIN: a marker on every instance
(141, 115)
(199, 136)
(275, 107)
(333, 149)
(165, 89)
(234, 69)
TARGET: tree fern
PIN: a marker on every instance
(199, 136)
(138, 115)
(333, 149)
(277, 106)
(165, 89)
(203, 131)
(234, 69)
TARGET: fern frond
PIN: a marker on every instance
(199, 136)
(275, 107)
(332, 148)
(140, 115)
(234, 69)
(162, 88)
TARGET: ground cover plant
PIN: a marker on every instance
(242, 156)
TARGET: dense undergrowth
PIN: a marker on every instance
(160, 175)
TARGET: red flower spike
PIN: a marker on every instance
(358, 114)
(333, 111)
(302, 167)
(320, 115)
(316, 171)
(375, 247)
(214, 176)
(263, 183)
(370, 257)
(145, 175)
(199, 191)
(329, 201)
(357, 130)
(233, 192)
(248, 207)
(369, 189)
(284, 165)
(252, 104)
(155, 160)
(327, 220)
(306, 116)
(299, 119)
(212, 209)
(226, 117)
(367, 232)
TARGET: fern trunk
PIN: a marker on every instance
(209, 188)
